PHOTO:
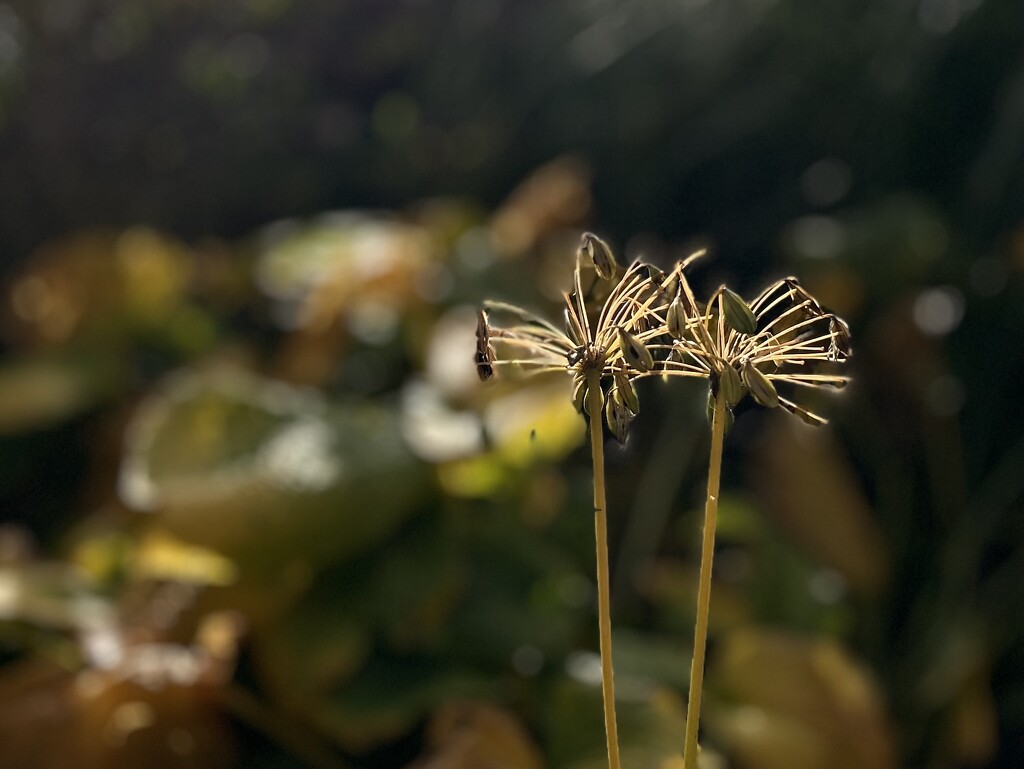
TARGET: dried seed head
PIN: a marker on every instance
(731, 384)
(618, 415)
(839, 349)
(738, 313)
(634, 352)
(600, 254)
(625, 388)
(760, 387)
(484, 357)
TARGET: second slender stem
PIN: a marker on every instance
(594, 406)
(707, 555)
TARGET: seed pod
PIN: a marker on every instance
(728, 415)
(839, 349)
(625, 388)
(731, 384)
(760, 386)
(600, 254)
(675, 319)
(738, 313)
(655, 275)
(579, 394)
(665, 285)
(484, 357)
(634, 352)
(617, 415)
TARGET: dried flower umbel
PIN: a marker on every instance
(612, 342)
(782, 337)
(614, 334)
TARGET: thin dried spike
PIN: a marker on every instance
(630, 307)
(535, 346)
(760, 387)
(579, 306)
(600, 254)
(524, 315)
(807, 416)
(806, 295)
(572, 326)
(812, 380)
(768, 339)
(761, 298)
(484, 357)
(700, 252)
(634, 352)
(670, 285)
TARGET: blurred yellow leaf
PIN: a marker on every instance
(779, 701)
(470, 735)
(807, 484)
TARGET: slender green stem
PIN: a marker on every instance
(707, 555)
(603, 590)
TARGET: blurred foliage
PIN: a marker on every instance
(257, 509)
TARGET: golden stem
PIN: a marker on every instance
(594, 408)
(707, 555)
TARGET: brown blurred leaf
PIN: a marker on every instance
(470, 735)
(555, 195)
(807, 484)
(779, 701)
(96, 282)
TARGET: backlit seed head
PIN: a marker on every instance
(760, 387)
(600, 254)
(738, 313)
(731, 384)
(634, 352)
(625, 388)
(617, 415)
